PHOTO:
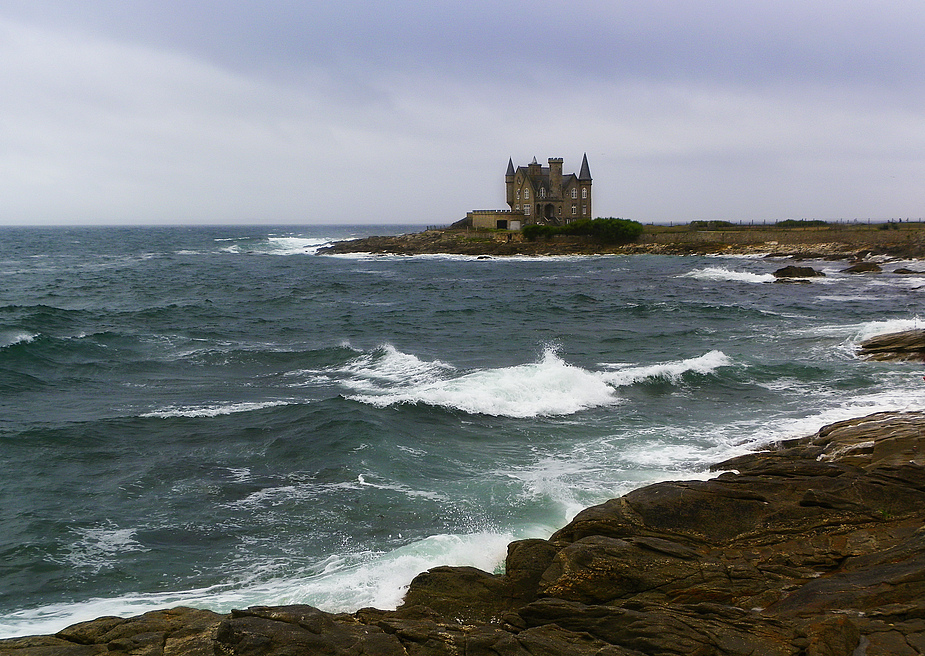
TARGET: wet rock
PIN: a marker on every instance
(863, 267)
(793, 271)
(905, 345)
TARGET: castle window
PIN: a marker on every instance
(584, 192)
(517, 206)
(542, 192)
(584, 210)
(574, 209)
(526, 209)
(526, 193)
(574, 194)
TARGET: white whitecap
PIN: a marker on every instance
(721, 274)
(672, 370)
(212, 410)
(387, 366)
(11, 337)
(297, 245)
(545, 388)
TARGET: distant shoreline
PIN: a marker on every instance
(834, 241)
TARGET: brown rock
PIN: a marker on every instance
(792, 271)
(906, 345)
(863, 267)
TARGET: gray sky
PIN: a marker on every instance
(286, 111)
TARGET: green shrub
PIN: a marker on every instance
(711, 225)
(802, 223)
(606, 231)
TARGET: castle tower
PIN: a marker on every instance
(555, 177)
(509, 182)
(584, 186)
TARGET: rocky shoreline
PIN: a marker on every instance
(815, 547)
(840, 242)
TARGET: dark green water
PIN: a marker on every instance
(221, 418)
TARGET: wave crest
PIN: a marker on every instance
(544, 388)
(721, 274)
(671, 371)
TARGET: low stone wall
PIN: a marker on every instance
(913, 235)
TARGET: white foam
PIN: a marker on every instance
(274, 245)
(858, 332)
(338, 584)
(11, 337)
(721, 274)
(671, 371)
(96, 548)
(389, 366)
(545, 388)
(212, 410)
(297, 245)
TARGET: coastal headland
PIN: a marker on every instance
(815, 547)
(835, 240)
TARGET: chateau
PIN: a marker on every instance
(539, 194)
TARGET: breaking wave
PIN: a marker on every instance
(721, 274)
(671, 371)
(548, 387)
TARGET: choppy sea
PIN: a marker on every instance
(220, 417)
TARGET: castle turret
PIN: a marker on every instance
(584, 185)
(509, 182)
(555, 177)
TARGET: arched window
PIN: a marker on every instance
(584, 192)
(526, 193)
(574, 194)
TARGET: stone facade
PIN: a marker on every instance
(547, 196)
(539, 194)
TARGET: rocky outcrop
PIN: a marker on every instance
(905, 345)
(792, 271)
(835, 242)
(863, 267)
(814, 548)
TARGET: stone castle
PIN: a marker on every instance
(539, 194)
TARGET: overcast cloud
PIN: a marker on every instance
(285, 111)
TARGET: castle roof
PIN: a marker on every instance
(585, 173)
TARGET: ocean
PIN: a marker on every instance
(219, 417)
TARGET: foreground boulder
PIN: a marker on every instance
(814, 548)
(905, 345)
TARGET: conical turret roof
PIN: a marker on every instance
(585, 172)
